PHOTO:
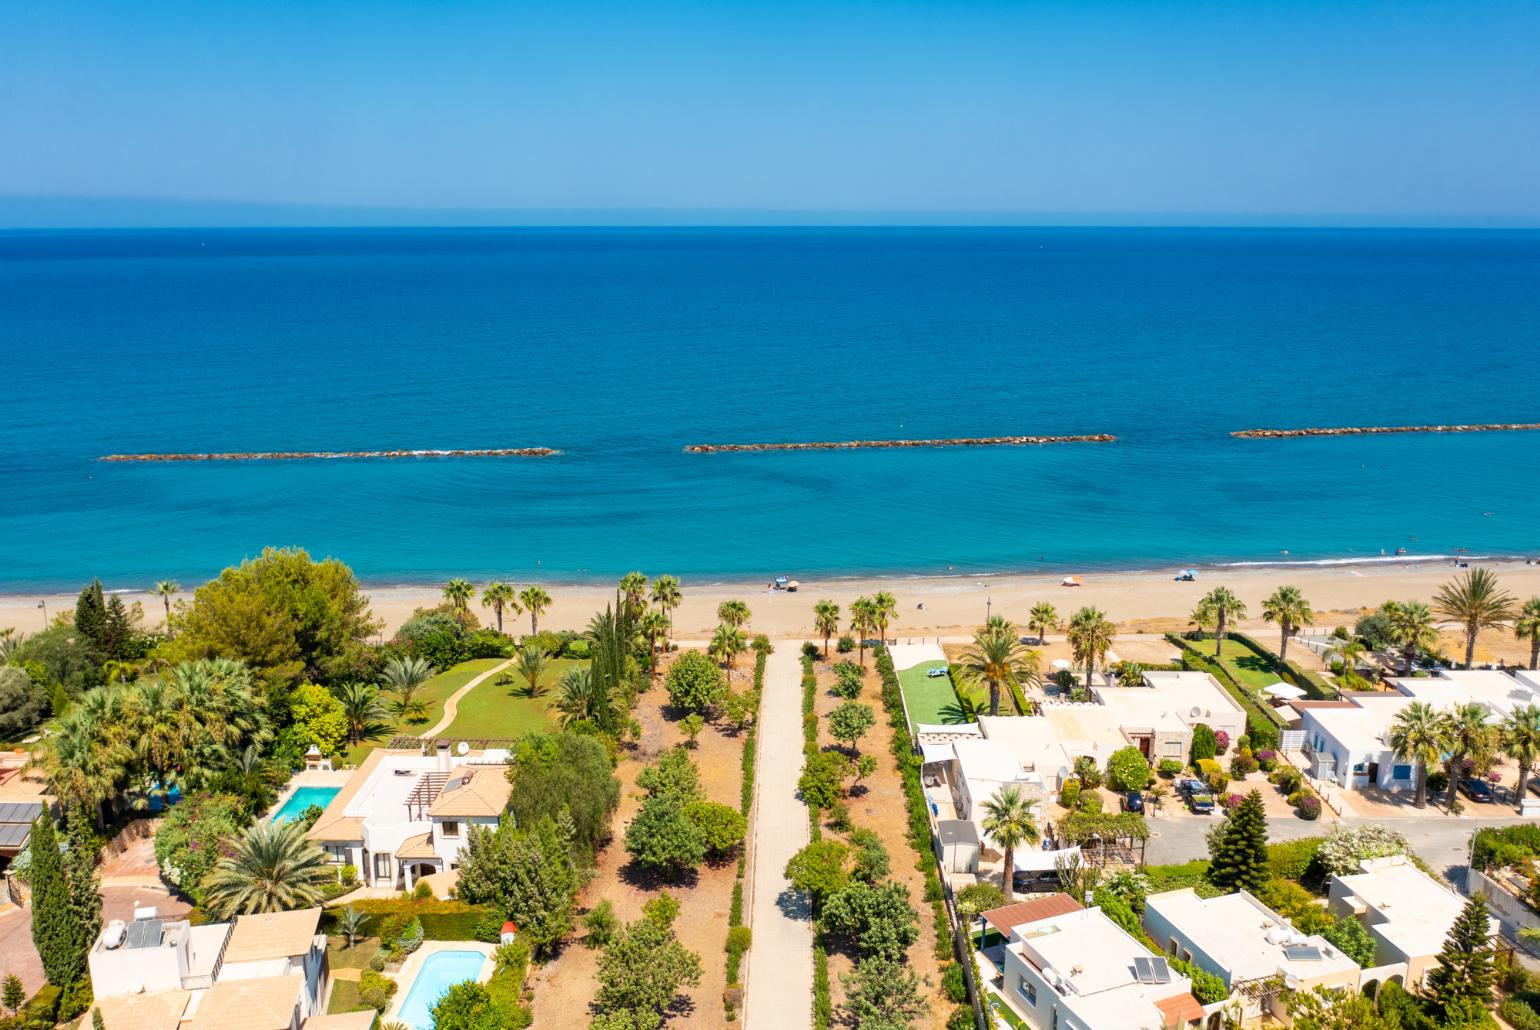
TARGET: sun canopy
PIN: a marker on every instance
(1061, 663)
(1285, 690)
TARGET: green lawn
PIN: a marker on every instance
(356, 957)
(345, 997)
(434, 692)
(1250, 669)
(929, 700)
(497, 710)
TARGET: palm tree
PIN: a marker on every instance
(654, 626)
(884, 610)
(1090, 638)
(1043, 618)
(1216, 609)
(996, 659)
(1469, 737)
(1477, 602)
(352, 923)
(458, 592)
(405, 676)
(1412, 628)
(165, 590)
(1010, 821)
(499, 596)
(727, 644)
(584, 696)
(531, 665)
(633, 589)
(361, 704)
(1419, 734)
(826, 620)
(863, 620)
(667, 596)
(1289, 609)
(1520, 736)
(1527, 627)
(733, 613)
(1348, 652)
(535, 600)
(273, 868)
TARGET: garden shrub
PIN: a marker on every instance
(1170, 767)
(1267, 759)
(846, 644)
(192, 837)
(1352, 940)
(1207, 768)
(375, 989)
(1243, 765)
(1089, 801)
(962, 1018)
(1221, 742)
(1519, 1014)
(1508, 845)
(1206, 987)
(1292, 860)
(1069, 793)
(1218, 782)
(1128, 770)
(953, 985)
(1088, 772)
(1309, 808)
(695, 683)
(1438, 781)
(1204, 744)
(1345, 847)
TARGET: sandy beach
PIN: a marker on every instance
(947, 606)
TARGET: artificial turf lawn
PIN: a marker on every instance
(929, 700)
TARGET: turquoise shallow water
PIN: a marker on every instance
(620, 347)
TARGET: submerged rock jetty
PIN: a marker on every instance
(851, 445)
(497, 452)
(1490, 427)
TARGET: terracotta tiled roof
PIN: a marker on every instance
(268, 1003)
(420, 846)
(1179, 1010)
(483, 791)
(1049, 905)
(161, 1010)
(272, 935)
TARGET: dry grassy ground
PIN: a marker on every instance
(564, 987)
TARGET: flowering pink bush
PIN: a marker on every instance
(1309, 807)
(1494, 776)
(1221, 741)
(1233, 801)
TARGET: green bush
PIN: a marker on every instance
(1089, 801)
(1243, 765)
(961, 1019)
(694, 683)
(375, 989)
(1170, 767)
(1206, 987)
(1508, 845)
(846, 644)
(1128, 770)
(190, 837)
(953, 985)
(1519, 1014)
(1088, 772)
(1293, 860)
(1204, 744)
(1207, 767)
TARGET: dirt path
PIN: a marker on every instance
(778, 991)
(453, 701)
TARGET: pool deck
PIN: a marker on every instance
(308, 778)
(407, 974)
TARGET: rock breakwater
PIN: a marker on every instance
(497, 452)
(1489, 427)
(852, 445)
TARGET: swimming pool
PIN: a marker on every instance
(440, 971)
(303, 798)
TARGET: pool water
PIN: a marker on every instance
(303, 798)
(439, 972)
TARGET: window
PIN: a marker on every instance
(381, 865)
(1027, 990)
(1360, 768)
(1173, 748)
(1401, 772)
(450, 828)
(1175, 948)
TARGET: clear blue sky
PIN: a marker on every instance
(1400, 112)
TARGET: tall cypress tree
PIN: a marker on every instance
(1464, 970)
(1238, 849)
(118, 628)
(84, 893)
(51, 930)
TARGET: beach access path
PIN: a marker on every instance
(452, 703)
(779, 992)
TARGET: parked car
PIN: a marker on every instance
(1199, 798)
(1478, 790)
(1029, 882)
(1133, 801)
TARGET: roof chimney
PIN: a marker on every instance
(441, 750)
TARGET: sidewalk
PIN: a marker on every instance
(779, 991)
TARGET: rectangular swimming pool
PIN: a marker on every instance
(440, 971)
(301, 799)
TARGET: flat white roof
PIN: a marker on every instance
(1096, 957)
(1032, 740)
(1244, 936)
(1451, 687)
(1180, 692)
(1409, 908)
(1360, 728)
(1527, 678)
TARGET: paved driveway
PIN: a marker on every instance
(17, 954)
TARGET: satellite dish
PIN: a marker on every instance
(1196, 711)
(462, 748)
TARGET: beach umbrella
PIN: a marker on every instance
(1284, 690)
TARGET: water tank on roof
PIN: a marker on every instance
(113, 937)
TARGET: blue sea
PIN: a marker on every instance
(622, 346)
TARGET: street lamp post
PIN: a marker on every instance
(43, 604)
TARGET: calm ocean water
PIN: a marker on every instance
(620, 347)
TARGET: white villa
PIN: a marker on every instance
(404, 814)
(1347, 741)
(1247, 945)
(1063, 967)
(1406, 911)
(261, 972)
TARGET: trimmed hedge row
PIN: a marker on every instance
(1303, 678)
(823, 1009)
(1257, 714)
(441, 920)
(738, 937)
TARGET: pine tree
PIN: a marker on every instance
(1464, 970)
(14, 993)
(118, 627)
(1238, 848)
(91, 616)
(51, 931)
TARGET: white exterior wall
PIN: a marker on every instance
(1320, 740)
(125, 970)
(448, 848)
(1038, 1012)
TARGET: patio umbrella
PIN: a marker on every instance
(1284, 690)
(1061, 663)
